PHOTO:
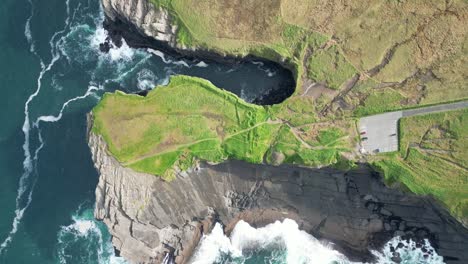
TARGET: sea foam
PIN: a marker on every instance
(288, 244)
(85, 240)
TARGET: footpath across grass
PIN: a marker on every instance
(190, 119)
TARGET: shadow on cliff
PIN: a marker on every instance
(353, 209)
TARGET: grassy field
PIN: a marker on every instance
(413, 52)
(330, 67)
(189, 120)
(433, 159)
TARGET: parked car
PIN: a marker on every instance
(364, 138)
(392, 135)
(363, 132)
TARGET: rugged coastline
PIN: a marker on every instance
(354, 209)
(143, 26)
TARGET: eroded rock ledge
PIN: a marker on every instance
(148, 217)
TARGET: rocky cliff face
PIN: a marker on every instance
(150, 218)
(146, 19)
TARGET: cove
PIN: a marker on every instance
(252, 78)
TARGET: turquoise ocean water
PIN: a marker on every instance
(51, 75)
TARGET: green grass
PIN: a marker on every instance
(359, 37)
(379, 102)
(433, 159)
(329, 66)
(330, 137)
(191, 119)
(326, 152)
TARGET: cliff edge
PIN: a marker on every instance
(144, 17)
(151, 219)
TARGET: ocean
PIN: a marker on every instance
(51, 74)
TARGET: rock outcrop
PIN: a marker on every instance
(144, 16)
(151, 219)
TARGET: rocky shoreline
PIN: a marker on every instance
(150, 218)
(143, 26)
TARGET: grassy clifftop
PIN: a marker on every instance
(174, 126)
(433, 159)
(401, 53)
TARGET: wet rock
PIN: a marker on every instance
(105, 47)
(387, 227)
(396, 257)
(370, 197)
(399, 233)
(385, 212)
(402, 226)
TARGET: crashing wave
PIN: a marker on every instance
(85, 241)
(284, 243)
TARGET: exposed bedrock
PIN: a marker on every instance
(146, 19)
(144, 26)
(148, 217)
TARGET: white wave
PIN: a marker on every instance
(55, 84)
(87, 234)
(298, 246)
(99, 36)
(50, 118)
(202, 64)
(124, 52)
(161, 55)
(27, 163)
(123, 75)
(181, 62)
(28, 166)
(212, 245)
(408, 252)
(146, 79)
(27, 30)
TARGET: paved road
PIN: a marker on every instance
(381, 130)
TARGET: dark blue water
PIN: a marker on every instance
(51, 74)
